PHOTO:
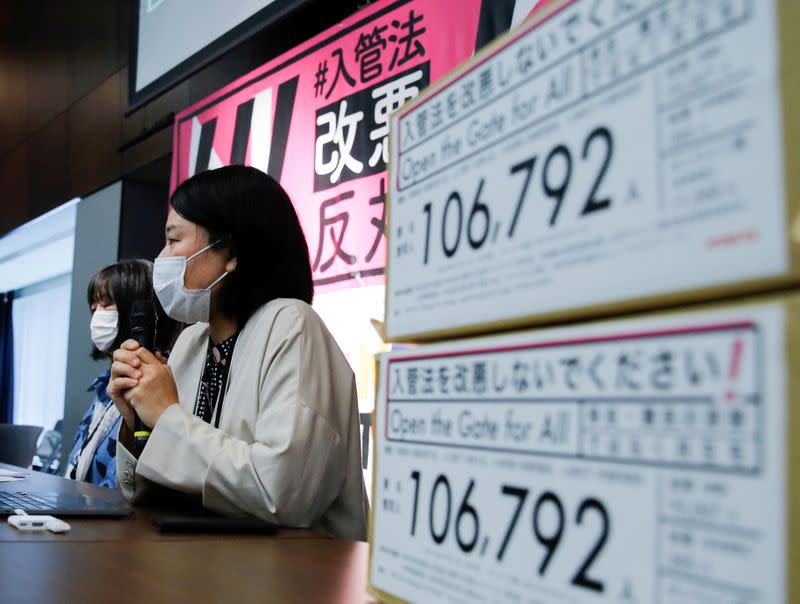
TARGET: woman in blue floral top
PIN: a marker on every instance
(111, 294)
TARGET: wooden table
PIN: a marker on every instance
(138, 527)
(127, 560)
(223, 569)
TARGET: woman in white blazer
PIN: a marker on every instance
(256, 412)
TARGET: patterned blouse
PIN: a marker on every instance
(211, 392)
(100, 424)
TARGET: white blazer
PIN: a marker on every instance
(287, 449)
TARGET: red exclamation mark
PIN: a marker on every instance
(733, 371)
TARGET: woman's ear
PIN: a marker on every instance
(230, 266)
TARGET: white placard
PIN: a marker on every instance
(635, 461)
(618, 150)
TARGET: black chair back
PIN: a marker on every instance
(49, 452)
(18, 444)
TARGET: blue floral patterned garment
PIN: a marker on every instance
(103, 468)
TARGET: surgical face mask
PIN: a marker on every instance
(184, 305)
(104, 328)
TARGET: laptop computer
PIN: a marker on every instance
(40, 493)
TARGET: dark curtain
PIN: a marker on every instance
(6, 359)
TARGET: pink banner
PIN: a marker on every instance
(316, 119)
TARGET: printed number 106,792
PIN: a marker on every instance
(552, 181)
(464, 524)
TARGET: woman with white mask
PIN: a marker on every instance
(256, 411)
(111, 293)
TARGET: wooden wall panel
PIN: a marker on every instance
(48, 170)
(124, 15)
(94, 135)
(47, 57)
(13, 100)
(64, 91)
(93, 45)
(14, 192)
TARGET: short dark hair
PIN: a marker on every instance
(122, 284)
(253, 217)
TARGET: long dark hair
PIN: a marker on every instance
(122, 284)
(254, 219)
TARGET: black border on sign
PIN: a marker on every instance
(267, 16)
(293, 59)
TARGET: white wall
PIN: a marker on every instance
(96, 246)
(35, 263)
(39, 250)
(40, 316)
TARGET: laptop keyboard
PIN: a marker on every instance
(12, 500)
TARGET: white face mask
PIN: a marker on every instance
(104, 328)
(184, 305)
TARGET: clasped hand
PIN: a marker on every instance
(141, 384)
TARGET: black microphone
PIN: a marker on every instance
(143, 330)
